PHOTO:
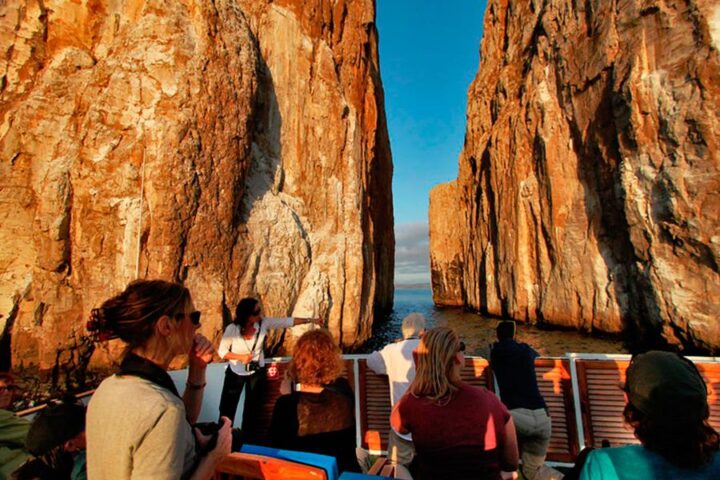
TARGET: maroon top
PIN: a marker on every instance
(459, 438)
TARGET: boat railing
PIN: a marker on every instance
(582, 392)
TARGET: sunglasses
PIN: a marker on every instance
(461, 347)
(194, 317)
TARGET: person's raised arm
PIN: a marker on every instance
(303, 320)
(200, 355)
(268, 323)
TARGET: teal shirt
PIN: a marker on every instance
(634, 462)
(79, 471)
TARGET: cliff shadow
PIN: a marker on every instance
(599, 159)
(265, 170)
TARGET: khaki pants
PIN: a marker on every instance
(533, 429)
(400, 453)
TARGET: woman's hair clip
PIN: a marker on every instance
(97, 326)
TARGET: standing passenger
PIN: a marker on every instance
(242, 344)
(138, 426)
(459, 431)
(513, 364)
(396, 361)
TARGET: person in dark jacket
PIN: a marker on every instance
(57, 442)
(513, 364)
(318, 413)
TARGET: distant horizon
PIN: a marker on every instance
(413, 285)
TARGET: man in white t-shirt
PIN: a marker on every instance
(396, 361)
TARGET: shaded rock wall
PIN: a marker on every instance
(589, 184)
(238, 146)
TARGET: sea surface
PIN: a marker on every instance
(478, 332)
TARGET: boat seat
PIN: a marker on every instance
(240, 465)
(553, 377)
(603, 402)
(314, 461)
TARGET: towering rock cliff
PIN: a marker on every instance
(588, 192)
(238, 146)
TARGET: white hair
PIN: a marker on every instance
(413, 325)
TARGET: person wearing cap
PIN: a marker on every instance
(513, 364)
(668, 410)
(396, 361)
(57, 442)
(13, 430)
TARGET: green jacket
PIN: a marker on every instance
(13, 431)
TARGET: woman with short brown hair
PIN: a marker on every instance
(318, 415)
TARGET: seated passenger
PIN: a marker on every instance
(138, 425)
(318, 415)
(13, 430)
(57, 441)
(459, 431)
(667, 408)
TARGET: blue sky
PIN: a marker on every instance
(429, 54)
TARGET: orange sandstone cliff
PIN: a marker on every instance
(238, 146)
(588, 192)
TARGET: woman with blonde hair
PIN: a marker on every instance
(459, 431)
(138, 425)
(318, 413)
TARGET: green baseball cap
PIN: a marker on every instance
(667, 386)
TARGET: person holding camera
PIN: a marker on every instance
(242, 345)
(138, 423)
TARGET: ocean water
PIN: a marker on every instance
(478, 332)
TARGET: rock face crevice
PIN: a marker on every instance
(238, 146)
(587, 188)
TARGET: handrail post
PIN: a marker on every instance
(576, 400)
(356, 375)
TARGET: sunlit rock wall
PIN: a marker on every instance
(589, 184)
(238, 146)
